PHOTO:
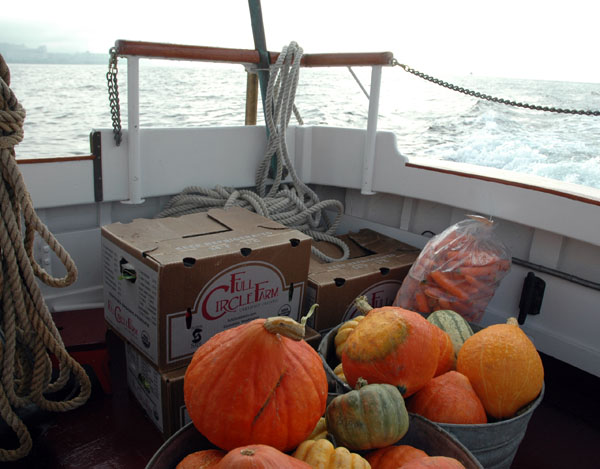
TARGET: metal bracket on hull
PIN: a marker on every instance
(96, 147)
(531, 296)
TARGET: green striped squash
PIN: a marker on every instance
(454, 324)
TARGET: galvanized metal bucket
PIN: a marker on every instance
(493, 444)
(326, 350)
(422, 434)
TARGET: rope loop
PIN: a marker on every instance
(28, 335)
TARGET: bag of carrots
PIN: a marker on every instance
(458, 269)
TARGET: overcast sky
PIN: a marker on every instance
(543, 39)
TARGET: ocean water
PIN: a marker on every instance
(64, 103)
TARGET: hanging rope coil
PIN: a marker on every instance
(28, 335)
(294, 204)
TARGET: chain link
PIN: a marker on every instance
(494, 99)
(113, 95)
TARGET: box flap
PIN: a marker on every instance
(367, 245)
(214, 233)
(376, 243)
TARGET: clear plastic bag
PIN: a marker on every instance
(458, 269)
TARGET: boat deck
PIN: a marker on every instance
(112, 431)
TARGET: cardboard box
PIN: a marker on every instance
(159, 394)
(375, 269)
(172, 283)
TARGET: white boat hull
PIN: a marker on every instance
(543, 222)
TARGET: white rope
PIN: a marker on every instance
(293, 204)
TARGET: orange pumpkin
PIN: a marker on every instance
(392, 345)
(504, 368)
(435, 462)
(448, 398)
(256, 383)
(259, 457)
(203, 459)
(447, 358)
(393, 457)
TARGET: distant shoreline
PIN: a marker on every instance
(19, 54)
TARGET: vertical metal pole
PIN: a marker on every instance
(260, 43)
(133, 131)
(369, 151)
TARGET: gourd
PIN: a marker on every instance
(339, 372)
(448, 398)
(447, 358)
(454, 324)
(203, 459)
(320, 430)
(370, 416)
(393, 457)
(392, 345)
(323, 455)
(256, 383)
(343, 332)
(504, 368)
(435, 462)
(259, 457)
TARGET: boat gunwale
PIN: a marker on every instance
(408, 164)
(508, 182)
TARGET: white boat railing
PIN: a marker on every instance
(133, 51)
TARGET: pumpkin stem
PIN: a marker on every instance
(285, 326)
(309, 314)
(247, 452)
(362, 305)
(360, 383)
(513, 321)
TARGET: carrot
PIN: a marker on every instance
(447, 284)
(462, 308)
(435, 292)
(489, 270)
(422, 305)
(482, 288)
(409, 286)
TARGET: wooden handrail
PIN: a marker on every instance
(245, 56)
(56, 159)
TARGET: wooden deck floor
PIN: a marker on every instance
(112, 431)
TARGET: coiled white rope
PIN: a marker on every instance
(294, 205)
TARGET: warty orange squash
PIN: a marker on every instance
(392, 345)
(503, 366)
(448, 398)
(393, 457)
(203, 459)
(259, 457)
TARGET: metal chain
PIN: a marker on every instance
(113, 95)
(494, 99)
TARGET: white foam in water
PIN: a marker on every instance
(65, 102)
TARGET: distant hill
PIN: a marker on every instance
(19, 54)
